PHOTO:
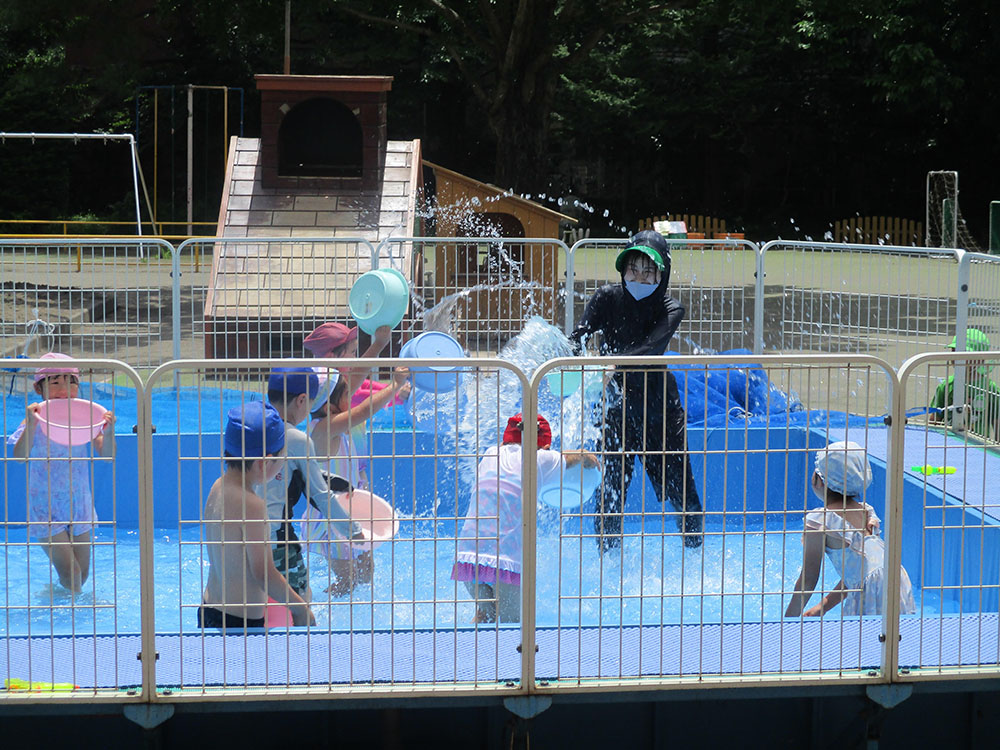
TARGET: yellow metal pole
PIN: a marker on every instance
(79, 258)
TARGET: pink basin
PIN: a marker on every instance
(375, 515)
(71, 421)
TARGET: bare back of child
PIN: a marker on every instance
(241, 571)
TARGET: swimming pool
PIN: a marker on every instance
(734, 577)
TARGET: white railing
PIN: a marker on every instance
(140, 301)
(643, 614)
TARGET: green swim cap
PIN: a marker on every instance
(651, 253)
(975, 341)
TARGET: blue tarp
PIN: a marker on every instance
(716, 395)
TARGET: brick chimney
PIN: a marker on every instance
(322, 132)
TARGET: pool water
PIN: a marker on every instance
(735, 577)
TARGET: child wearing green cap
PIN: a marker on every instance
(982, 396)
(644, 418)
(241, 571)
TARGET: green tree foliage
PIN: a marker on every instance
(763, 112)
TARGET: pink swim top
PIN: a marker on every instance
(368, 388)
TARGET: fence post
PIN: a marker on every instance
(995, 227)
(894, 513)
(961, 321)
(570, 289)
(758, 302)
(175, 284)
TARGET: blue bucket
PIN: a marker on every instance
(564, 382)
(379, 298)
(569, 490)
(433, 345)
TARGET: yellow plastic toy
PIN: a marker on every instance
(13, 683)
(928, 469)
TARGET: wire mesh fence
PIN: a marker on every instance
(666, 539)
(951, 518)
(69, 545)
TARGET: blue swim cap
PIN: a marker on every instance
(254, 430)
(294, 381)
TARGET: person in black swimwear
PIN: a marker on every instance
(643, 417)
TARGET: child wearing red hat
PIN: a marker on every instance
(489, 546)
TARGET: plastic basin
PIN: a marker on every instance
(433, 345)
(379, 298)
(71, 421)
(376, 516)
(575, 485)
(564, 382)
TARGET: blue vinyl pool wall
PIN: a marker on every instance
(753, 479)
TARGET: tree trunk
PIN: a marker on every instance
(522, 129)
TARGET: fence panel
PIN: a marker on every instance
(683, 564)
(713, 279)
(70, 547)
(405, 625)
(951, 521)
(481, 290)
(891, 302)
(260, 296)
(95, 297)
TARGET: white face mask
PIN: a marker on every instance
(638, 290)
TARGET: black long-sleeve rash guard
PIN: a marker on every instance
(629, 327)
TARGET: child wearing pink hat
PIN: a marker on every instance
(337, 341)
(61, 511)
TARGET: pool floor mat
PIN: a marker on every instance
(490, 656)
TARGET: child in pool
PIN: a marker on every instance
(846, 528)
(292, 392)
(338, 431)
(241, 570)
(337, 341)
(60, 501)
(489, 545)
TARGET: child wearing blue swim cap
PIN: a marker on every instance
(241, 571)
(293, 392)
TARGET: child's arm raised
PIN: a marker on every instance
(355, 375)
(22, 448)
(342, 422)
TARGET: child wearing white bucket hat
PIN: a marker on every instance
(846, 529)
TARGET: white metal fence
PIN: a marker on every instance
(481, 290)
(60, 643)
(104, 297)
(141, 302)
(649, 612)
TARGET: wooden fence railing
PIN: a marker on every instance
(710, 226)
(872, 230)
